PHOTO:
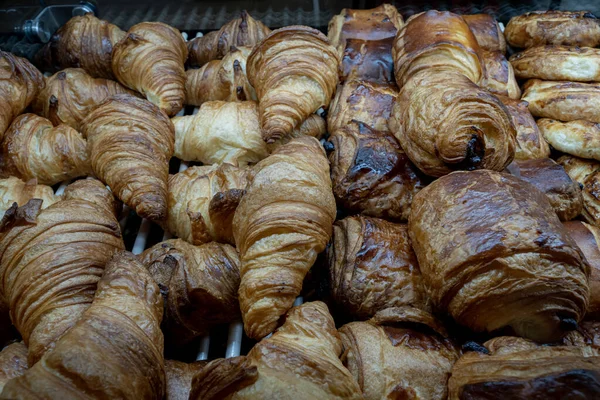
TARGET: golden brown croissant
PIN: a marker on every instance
(494, 254)
(13, 362)
(587, 238)
(368, 102)
(83, 42)
(487, 32)
(221, 132)
(243, 31)
(314, 126)
(300, 361)
(440, 40)
(586, 173)
(51, 262)
(402, 353)
(179, 377)
(372, 267)
(514, 368)
(33, 148)
(371, 174)
(70, 95)
(114, 350)
(569, 28)
(530, 142)
(551, 179)
(150, 59)
(499, 75)
(565, 101)
(200, 285)
(202, 201)
(220, 80)
(445, 122)
(295, 72)
(14, 190)
(94, 191)
(283, 221)
(580, 138)
(130, 141)
(20, 83)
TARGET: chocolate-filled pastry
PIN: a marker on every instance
(223, 79)
(13, 362)
(499, 75)
(514, 368)
(83, 42)
(586, 173)
(530, 142)
(130, 141)
(494, 254)
(569, 28)
(14, 190)
(70, 95)
(558, 63)
(33, 148)
(179, 378)
(445, 122)
(372, 267)
(579, 138)
(551, 179)
(400, 353)
(242, 31)
(486, 30)
(202, 201)
(587, 238)
(199, 283)
(371, 174)
(368, 102)
(114, 351)
(283, 221)
(438, 40)
(368, 60)
(150, 59)
(20, 83)
(221, 132)
(294, 71)
(564, 101)
(299, 362)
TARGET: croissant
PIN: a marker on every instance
(179, 377)
(372, 267)
(150, 59)
(585, 172)
(371, 174)
(368, 60)
(565, 101)
(494, 254)
(70, 95)
(220, 80)
(511, 367)
(114, 350)
(580, 138)
(33, 148)
(445, 122)
(94, 191)
(400, 353)
(130, 141)
(295, 72)
(438, 40)
(202, 201)
(200, 285)
(370, 103)
(300, 361)
(487, 32)
(13, 362)
(83, 42)
(14, 190)
(314, 126)
(569, 28)
(530, 142)
(51, 261)
(283, 221)
(243, 31)
(20, 83)
(551, 179)
(499, 75)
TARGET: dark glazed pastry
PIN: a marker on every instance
(499, 75)
(487, 32)
(494, 254)
(368, 60)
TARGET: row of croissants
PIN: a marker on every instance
(392, 172)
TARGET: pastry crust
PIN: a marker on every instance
(487, 32)
(586, 173)
(368, 60)
(14, 190)
(499, 75)
(579, 138)
(179, 377)
(13, 362)
(558, 63)
(569, 28)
